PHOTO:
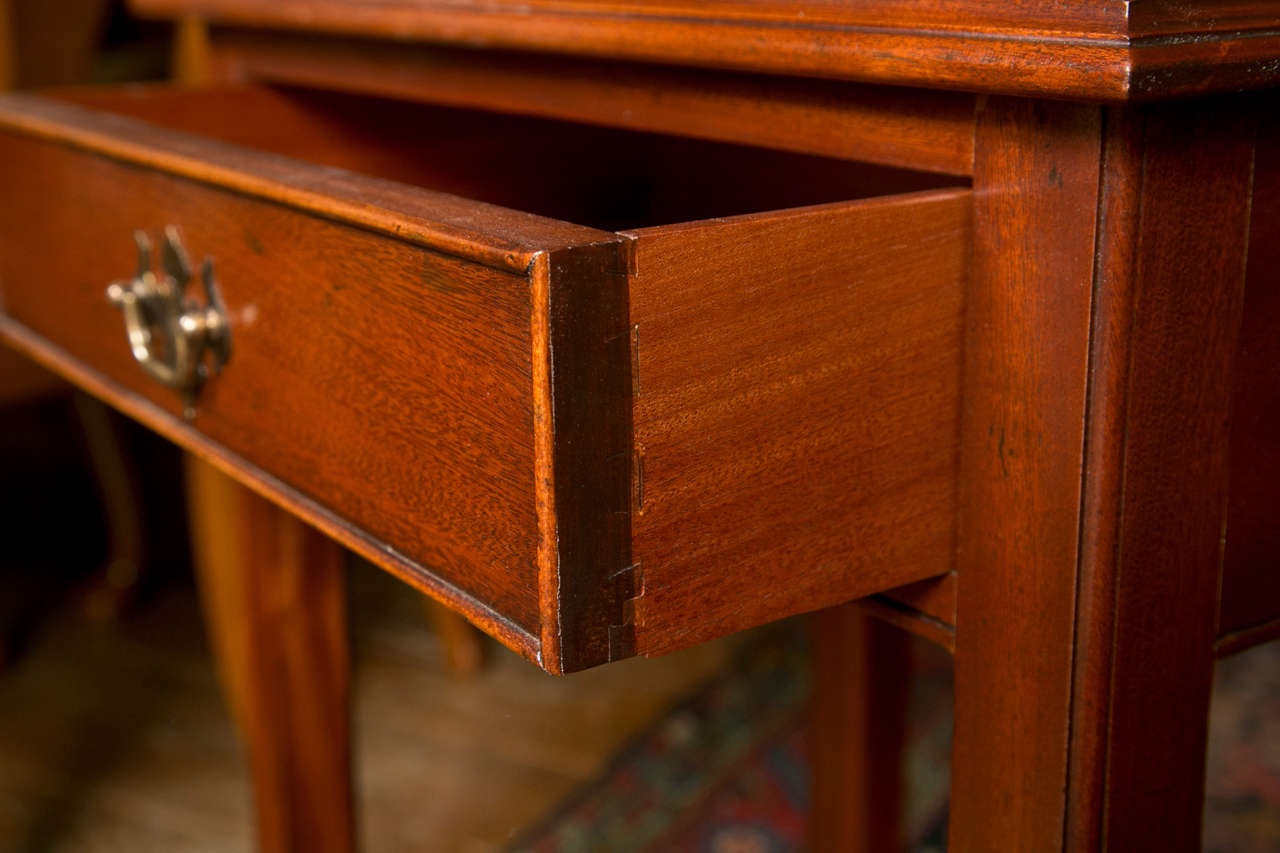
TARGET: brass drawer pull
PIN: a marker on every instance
(158, 307)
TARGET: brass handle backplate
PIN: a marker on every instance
(169, 332)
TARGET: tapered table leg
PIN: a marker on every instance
(858, 731)
(1103, 318)
(273, 591)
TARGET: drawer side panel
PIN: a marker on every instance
(796, 410)
(388, 383)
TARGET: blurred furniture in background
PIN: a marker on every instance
(46, 44)
(49, 44)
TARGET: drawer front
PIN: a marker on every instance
(386, 388)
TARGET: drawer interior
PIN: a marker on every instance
(598, 177)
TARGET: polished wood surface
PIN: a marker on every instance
(1067, 662)
(484, 233)
(1172, 274)
(520, 400)
(1022, 435)
(931, 131)
(1251, 562)
(1072, 48)
(925, 608)
(274, 597)
(366, 468)
(751, 379)
(814, 420)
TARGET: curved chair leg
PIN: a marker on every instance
(113, 589)
(858, 731)
(273, 590)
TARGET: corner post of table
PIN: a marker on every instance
(1103, 316)
(274, 595)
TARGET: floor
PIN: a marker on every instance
(115, 738)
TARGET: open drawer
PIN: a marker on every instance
(726, 394)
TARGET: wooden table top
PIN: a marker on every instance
(1105, 50)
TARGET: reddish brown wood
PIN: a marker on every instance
(1080, 49)
(1246, 638)
(274, 597)
(464, 646)
(346, 428)
(23, 379)
(1068, 670)
(912, 621)
(596, 176)
(51, 44)
(1170, 292)
(489, 235)
(926, 608)
(934, 597)
(796, 409)
(158, 419)
(192, 60)
(858, 731)
(8, 46)
(796, 374)
(582, 371)
(473, 364)
(1027, 331)
(1067, 17)
(895, 127)
(1251, 565)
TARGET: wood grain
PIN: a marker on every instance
(157, 418)
(1022, 437)
(490, 460)
(896, 127)
(1040, 47)
(584, 454)
(274, 598)
(1107, 17)
(490, 235)
(350, 406)
(1251, 562)
(796, 409)
(1171, 289)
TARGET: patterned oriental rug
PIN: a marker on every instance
(727, 769)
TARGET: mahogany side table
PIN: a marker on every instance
(619, 326)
